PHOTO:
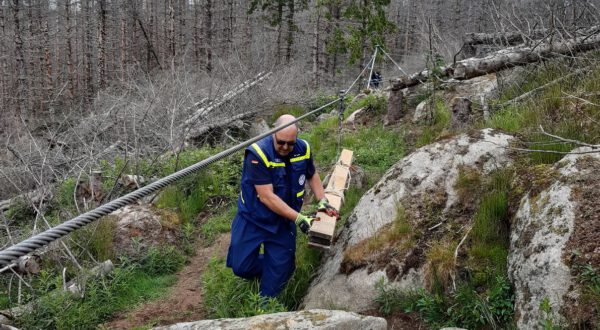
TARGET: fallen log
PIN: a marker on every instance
(502, 38)
(505, 58)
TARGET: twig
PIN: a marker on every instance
(456, 254)
(594, 146)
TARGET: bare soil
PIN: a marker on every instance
(183, 303)
(400, 320)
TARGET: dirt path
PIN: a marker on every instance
(183, 303)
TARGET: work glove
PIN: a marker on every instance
(304, 222)
(325, 207)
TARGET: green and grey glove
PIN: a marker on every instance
(324, 206)
(304, 222)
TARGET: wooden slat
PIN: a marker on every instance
(321, 231)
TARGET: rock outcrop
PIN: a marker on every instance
(301, 320)
(139, 227)
(421, 188)
(554, 234)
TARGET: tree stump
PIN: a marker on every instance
(461, 111)
(395, 108)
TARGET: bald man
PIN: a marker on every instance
(275, 171)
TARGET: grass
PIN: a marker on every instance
(559, 109)
(466, 307)
(441, 120)
(120, 290)
(217, 224)
(398, 234)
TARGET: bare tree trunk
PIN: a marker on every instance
(21, 70)
(3, 72)
(196, 38)
(171, 29)
(46, 60)
(208, 31)
(102, 44)
(315, 49)
(291, 26)
(87, 46)
(70, 59)
(279, 32)
(123, 42)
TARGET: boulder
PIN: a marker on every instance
(139, 227)
(258, 127)
(417, 187)
(301, 320)
(555, 233)
(462, 112)
(359, 117)
(423, 112)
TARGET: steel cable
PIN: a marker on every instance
(12, 253)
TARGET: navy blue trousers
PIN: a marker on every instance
(274, 266)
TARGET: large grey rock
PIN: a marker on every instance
(258, 127)
(428, 172)
(139, 227)
(554, 231)
(301, 320)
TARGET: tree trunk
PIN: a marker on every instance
(505, 58)
(291, 29)
(123, 42)
(102, 44)
(47, 58)
(315, 49)
(208, 34)
(279, 20)
(21, 70)
(70, 58)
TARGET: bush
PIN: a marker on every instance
(161, 261)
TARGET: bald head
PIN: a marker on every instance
(287, 136)
(285, 119)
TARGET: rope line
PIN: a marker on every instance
(10, 255)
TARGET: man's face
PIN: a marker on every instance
(284, 141)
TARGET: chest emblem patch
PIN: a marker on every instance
(302, 179)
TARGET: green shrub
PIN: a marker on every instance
(464, 308)
(118, 291)
(283, 109)
(163, 260)
(226, 295)
(217, 224)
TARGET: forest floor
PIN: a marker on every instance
(183, 302)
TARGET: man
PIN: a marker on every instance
(272, 190)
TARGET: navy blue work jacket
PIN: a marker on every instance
(290, 188)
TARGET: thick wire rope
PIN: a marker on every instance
(10, 255)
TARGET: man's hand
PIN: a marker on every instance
(304, 222)
(324, 206)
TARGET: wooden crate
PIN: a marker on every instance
(322, 229)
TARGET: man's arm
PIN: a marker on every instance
(274, 203)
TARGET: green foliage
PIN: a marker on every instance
(490, 234)
(283, 109)
(552, 108)
(119, 290)
(162, 260)
(226, 295)
(373, 28)
(374, 105)
(589, 278)
(64, 195)
(548, 322)
(20, 212)
(441, 120)
(217, 224)
(464, 308)
(96, 238)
